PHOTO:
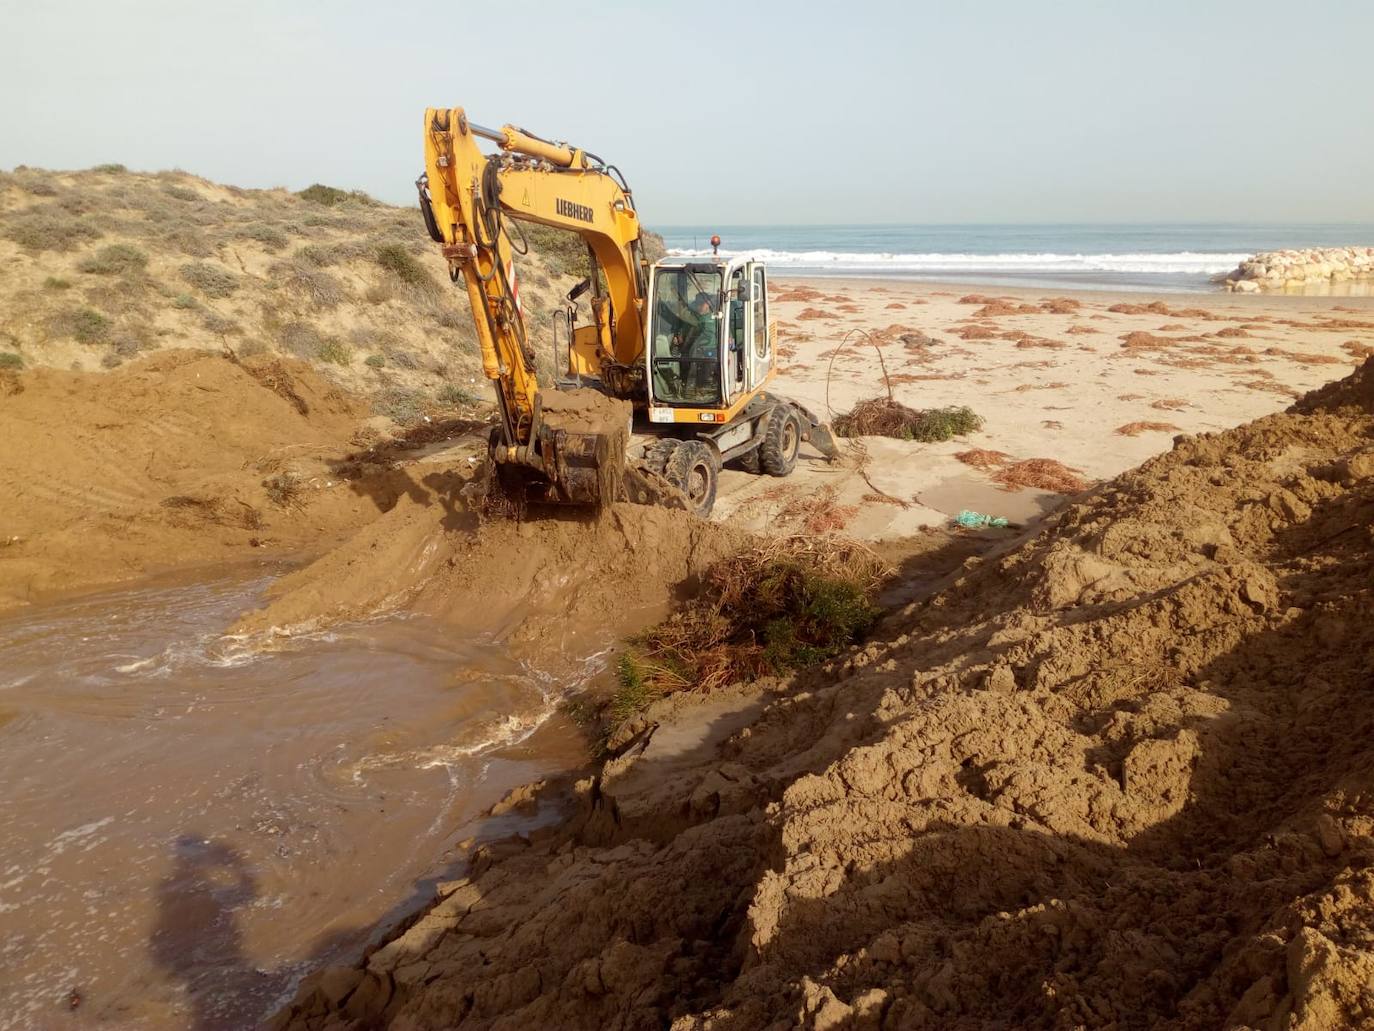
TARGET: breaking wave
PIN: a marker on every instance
(1178, 263)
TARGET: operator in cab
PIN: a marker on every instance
(701, 341)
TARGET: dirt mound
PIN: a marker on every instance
(1119, 776)
(161, 462)
(552, 586)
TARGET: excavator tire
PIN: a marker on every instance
(656, 455)
(749, 462)
(694, 468)
(781, 439)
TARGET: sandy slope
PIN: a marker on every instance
(163, 463)
(1119, 776)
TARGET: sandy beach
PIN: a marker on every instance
(1094, 380)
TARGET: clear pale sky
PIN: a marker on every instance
(721, 113)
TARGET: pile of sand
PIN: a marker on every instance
(554, 586)
(1121, 776)
(162, 462)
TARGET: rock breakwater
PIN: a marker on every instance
(1302, 269)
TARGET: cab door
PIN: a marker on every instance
(760, 339)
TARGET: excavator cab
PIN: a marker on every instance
(708, 356)
(709, 347)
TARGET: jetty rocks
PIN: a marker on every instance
(1302, 269)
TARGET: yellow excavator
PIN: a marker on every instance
(686, 341)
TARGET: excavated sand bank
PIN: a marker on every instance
(553, 587)
(163, 462)
(1120, 776)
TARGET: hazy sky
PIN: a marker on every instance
(742, 112)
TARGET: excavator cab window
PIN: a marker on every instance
(686, 334)
(737, 300)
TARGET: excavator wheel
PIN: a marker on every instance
(781, 439)
(691, 466)
(694, 469)
(656, 455)
(749, 462)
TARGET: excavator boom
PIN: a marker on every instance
(470, 196)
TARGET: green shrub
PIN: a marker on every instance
(369, 338)
(318, 193)
(271, 238)
(185, 302)
(211, 280)
(334, 351)
(40, 188)
(180, 192)
(320, 288)
(453, 394)
(301, 339)
(110, 169)
(10, 360)
(634, 690)
(312, 254)
(192, 242)
(786, 605)
(118, 259)
(219, 324)
(128, 342)
(375, 361)
(450, 319)
(56, 283)
(404, 266)
(401, 405)
(563, 252)
(85, 325)
(49, 228)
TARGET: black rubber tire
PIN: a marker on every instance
(694, 468)
(748, 462)
(781, 439)
(657, 454)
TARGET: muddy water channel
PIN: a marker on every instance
(190, 823)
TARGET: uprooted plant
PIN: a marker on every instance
(783, 605)
(884, 417)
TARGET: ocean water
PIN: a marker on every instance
(1183, 257)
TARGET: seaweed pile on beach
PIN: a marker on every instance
(886, 417)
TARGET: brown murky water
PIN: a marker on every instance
(190, 824)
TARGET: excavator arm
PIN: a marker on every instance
(467, 197)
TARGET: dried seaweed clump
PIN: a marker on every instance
(1135, 429)
(786, 604)
(983, 458)
(884, 417)
(1041, 474)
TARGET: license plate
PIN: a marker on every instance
(660, 415)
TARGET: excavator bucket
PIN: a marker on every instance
(581, 468)
(820, 437)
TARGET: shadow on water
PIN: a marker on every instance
(197, 939)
